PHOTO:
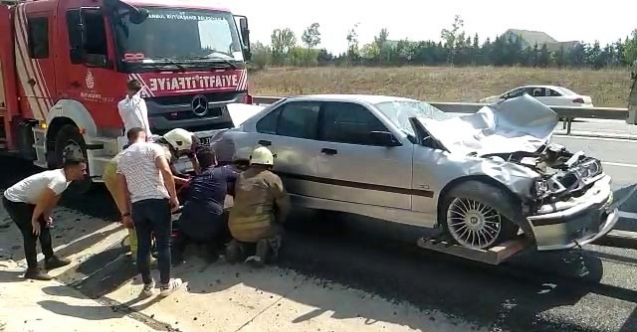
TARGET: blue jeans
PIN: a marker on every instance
(153, 216)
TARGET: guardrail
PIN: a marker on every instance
(567, 114)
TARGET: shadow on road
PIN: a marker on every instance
(378, 258)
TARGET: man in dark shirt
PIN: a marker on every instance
(202, 219)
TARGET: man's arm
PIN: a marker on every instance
(46, 203)
(281, 198)
(162, 165)
(124, 195)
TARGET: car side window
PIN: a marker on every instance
(349, 123)
(298, 119)
(268, 123)
(553, 93)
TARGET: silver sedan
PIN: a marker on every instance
(483, 178)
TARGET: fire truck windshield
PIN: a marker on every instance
(183, 36)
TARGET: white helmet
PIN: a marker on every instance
(179, 139)
(262, 156)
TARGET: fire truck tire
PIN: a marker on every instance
(69, 140)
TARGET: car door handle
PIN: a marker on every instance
(264, 142)
(75, 84)
(329, 151)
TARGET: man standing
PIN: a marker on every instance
(30, 203)
(202, 219)
(144, 179)
(260, 206)
(132, 109)
(134, 135)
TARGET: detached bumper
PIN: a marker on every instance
(586, 219)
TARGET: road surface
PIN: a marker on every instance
(396, 287)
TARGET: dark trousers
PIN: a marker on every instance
(153, 217)
(21, 214)
(199, 227)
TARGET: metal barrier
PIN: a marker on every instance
(566, 113)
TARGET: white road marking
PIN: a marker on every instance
(619, 164)
(628, 215)
(594, 138)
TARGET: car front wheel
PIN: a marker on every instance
(473, 215)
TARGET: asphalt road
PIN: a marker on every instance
(593, 290)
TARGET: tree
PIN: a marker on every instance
(450, 36)
(283, 40)
(352, 43)
(312, 36)
(261, 55)
(630, 48)
(380, 42)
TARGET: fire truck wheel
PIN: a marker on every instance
(69, 141)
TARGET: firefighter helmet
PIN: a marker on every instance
(179, 139)
(262, 156)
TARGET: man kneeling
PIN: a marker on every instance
(202, 219)
(260, 206)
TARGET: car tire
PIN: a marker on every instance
(67, 136)
(473, 215)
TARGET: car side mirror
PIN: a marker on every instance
(384, 138)
(245, 37)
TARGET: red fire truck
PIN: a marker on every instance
(64, 65)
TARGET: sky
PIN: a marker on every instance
(564, 20)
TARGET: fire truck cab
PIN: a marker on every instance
(64, 65)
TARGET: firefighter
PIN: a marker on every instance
(260, 207)
(110, 181)
(30, 203)
(180, 142)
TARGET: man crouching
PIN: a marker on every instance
(260, 207)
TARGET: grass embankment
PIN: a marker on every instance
(609, 87)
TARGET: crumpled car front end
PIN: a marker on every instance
(566, 198)
(570, 202)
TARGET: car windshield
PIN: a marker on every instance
(178, 36)
(399, 112)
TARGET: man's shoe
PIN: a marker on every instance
(255, 261)
(37, 274)
(55, 262)
(170, 287)
(149, 289)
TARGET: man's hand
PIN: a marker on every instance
(174, 204)
(36, 226)
(127, 221)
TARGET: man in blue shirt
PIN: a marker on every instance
(202, 219)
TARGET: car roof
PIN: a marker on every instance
(361, 98)
(555, 87)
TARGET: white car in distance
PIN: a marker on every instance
(549, 95)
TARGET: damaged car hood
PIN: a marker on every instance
(517, 124)
(239, 113)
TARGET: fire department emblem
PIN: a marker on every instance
(90, 81)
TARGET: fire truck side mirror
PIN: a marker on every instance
(76, 55)
(138, 16)
(245, 36)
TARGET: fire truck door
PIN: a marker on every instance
(34, 62)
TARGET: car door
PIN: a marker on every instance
(353, 168)
(290, 132)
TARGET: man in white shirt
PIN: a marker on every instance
(145, 180)
(132, 109)
(30, 203)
